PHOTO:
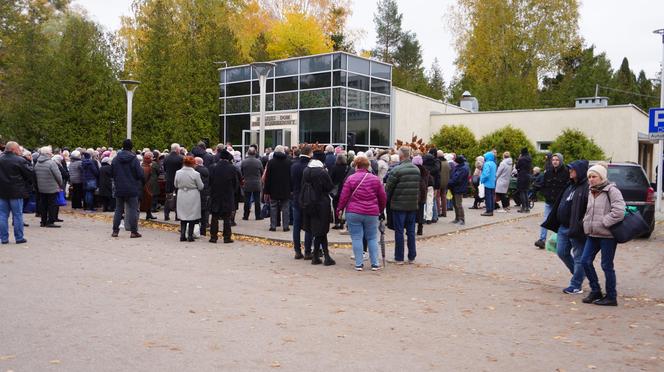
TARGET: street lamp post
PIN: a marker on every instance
(660, 157)
(263, 70)
(129, 87)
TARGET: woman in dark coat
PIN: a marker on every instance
(524, 167)
(148, 185)
(317, 214)
(90, 176)
(223, 185)
(106, 185)
(338, 175)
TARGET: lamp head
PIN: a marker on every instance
(263, 68)
(130, 85)
(660, 32)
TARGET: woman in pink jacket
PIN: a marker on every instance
(363, 197)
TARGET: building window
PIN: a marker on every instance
(286, 84)
(235, 124)
(543, 146)
(380, 130)
(286, 68)
(315, 81)
(256, 88)
(314, 64)
(256, 101)
(380, 86)
(237, 105)
(358, 82)
(339, 78)
(380, 103)
(285, 101)
(238, 74)
(340, 61)
(315, 98)
(358, 127)
(359, 65)
(358, 100)
(380, 70)
(338, 125)
(339, 97)
(238, 89)
(315, 126)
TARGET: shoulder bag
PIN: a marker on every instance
(342, 214)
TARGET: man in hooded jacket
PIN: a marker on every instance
(566, 219)
(554, 181)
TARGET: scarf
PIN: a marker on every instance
(599, 187)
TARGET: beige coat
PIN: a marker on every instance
(189, 183)
(604, 210)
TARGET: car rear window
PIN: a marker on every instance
(626, 177)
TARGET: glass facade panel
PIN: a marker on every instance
(380, 103)
(315, 81)
(358, 81)
(338, 125)
(380, 129)
(238, 89)
(221, 106)
(357, 99)
(380, 70)
(222, 90)
(286, 68)
(339, 97)
(339, 78)
(380, 86)
(339, 61)
(286, 101)
(238, 74)
(222, 76)
(315, 98)
(360, 65)
(286, 84)
(315, 126)
(255, 86)
(255, 103)
(358, 127)
(235, 124)
(237, 105)
(314, 64)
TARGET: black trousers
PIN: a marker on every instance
(214, 225)
(77, 195)
(257, 204)
(205, 218)
(48, 208)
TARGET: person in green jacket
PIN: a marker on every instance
(403, 187)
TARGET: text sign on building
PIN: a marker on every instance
(656, 125)
(273, 120)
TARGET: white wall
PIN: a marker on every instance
(614, 128)
(412, 114)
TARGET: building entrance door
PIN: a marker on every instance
(273, 137)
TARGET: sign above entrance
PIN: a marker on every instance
(272, 120)
(656, 125)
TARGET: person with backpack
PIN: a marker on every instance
(315, 206)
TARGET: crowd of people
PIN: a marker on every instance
(314, 189)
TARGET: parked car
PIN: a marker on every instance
(637, 191)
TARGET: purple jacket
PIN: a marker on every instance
(369, 199)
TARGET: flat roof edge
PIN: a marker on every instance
(630, 105)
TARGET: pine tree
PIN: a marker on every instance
(388, 30)
(436, 82)
(408, 71)
(624, 83)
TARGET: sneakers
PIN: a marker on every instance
(454, 221)
(365, 256)
(572, 290)
(359, 268)
(540, 244)
(375, 268)
(487, 214)
(399, 262)
(501, 211)
(461, 222)
(21, 241)
(410, 262)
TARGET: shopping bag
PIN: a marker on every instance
(552, 242)
(60, 199)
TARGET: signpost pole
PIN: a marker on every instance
(262, 70)
(660, 153)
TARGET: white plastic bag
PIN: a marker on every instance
(197, 231)
(480, 191)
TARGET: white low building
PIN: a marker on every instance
(620, 130)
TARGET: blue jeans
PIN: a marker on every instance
(565, 248)
(297, 226)
(401, 220)
(434, 216)
(590, 250)
(89, 200)
(16, 207)
(547, 211)
(489, 199)
(362, 226)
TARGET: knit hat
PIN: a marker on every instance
(417, 160)
(127, 144)
(600, 170)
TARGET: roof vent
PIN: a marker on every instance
(468, 102)
(585, 102)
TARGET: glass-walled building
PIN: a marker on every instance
(333, 98)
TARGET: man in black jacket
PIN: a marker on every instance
(223, 183)
(172, 164)
(551, 184)
(277, 187)
(15, 174)
(128, 178)
(566, 218)
(205, 194)
(296, 171)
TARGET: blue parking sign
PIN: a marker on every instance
(656, 124)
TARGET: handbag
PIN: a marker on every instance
(480, 191)
(342, 213)
(632, 226)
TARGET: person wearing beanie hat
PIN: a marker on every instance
(606, 207)
(417, 160)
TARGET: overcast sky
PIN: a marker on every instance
(620, 28)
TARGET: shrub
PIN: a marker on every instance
(575, 145)
(506, 139)
(455, 138)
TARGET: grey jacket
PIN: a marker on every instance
(252, 170)
(503, 175)
(189, 184)
(75, 171)
(49, 178)
(604, 210)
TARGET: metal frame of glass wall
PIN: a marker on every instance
(340, 99)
